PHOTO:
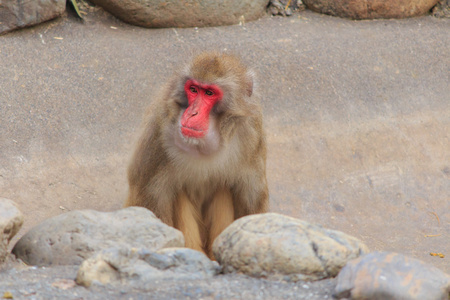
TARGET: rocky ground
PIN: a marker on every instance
(58, 283)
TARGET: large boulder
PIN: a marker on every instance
(72, 237)
(195, 13)
(280, 247)
(140, 266)
(11, 219)
(391, 276)
(17, 14)
(371, 9)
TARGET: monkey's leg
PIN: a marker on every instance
(187, 220)
(219, 215)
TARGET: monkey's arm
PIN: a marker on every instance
(148, 174)
(250, 194)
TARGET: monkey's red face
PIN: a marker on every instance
(201, 99)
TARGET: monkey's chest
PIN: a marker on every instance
(202, 193)
(200, 180)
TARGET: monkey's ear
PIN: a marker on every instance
(250, 77)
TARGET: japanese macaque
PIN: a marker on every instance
(201, 160)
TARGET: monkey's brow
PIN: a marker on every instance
(204, 85)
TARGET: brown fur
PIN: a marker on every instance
(223, 179)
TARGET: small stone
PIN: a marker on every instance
(284, 7)
(11, 220)
(140, 266)
(96, 270)
(442, 10)
(390, 276)
(280, 247)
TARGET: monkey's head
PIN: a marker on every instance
(216, 88)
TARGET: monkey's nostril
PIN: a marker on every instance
(194, 114)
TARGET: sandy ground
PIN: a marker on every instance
(357, 115)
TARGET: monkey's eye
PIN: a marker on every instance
(193, 89)
(209, 93)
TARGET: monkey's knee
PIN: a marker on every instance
(187, 221)
(219, 216)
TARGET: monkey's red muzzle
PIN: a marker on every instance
(195, 119)
(201, 99)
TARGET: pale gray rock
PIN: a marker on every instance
(442, 9)
(280, 247)
(140, 266)
(284, 7)
(195, 13)
(11, 220)
(18, 14)
(391, 276)
(371, 9)
(73, 237)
